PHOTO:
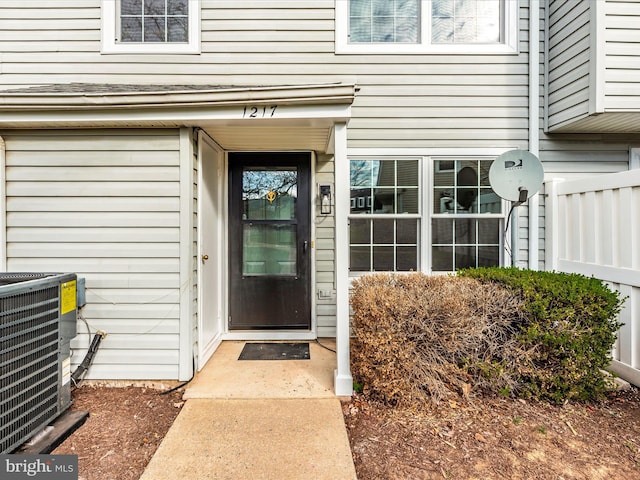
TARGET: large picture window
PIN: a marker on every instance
(467, 217)
(151, 26)
(433, 26)
(385, 215)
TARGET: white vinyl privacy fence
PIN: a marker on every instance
(593, 228)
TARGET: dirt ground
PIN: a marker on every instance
(483, 439)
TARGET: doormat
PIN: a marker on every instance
(275, 351)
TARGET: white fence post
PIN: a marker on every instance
(552, 224)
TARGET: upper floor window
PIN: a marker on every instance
(426, 26)
(150, 26)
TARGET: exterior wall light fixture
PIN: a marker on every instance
(325, 199)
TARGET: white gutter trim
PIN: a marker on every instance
(534, 123)
(324, 94)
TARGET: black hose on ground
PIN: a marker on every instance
(88, 358)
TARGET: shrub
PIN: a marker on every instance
(418, 337)
(510, 332)
(569, 325)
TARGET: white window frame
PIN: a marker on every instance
(426, 157)
(110, 43)
(508, 46)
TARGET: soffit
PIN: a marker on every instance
(608, 122)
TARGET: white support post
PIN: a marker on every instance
(343, 381)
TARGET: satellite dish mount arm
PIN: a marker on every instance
(523, 194)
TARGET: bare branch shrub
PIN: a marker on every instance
(419, 337)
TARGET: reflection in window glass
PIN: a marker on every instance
(268, 249)
(384, 21)
(269, 193)
(398, 182)
(466, 21)
(154, 21)
(464, 188)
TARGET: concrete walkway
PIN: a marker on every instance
(258, 420)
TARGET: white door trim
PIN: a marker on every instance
(206, 312)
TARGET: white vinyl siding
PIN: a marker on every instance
(622, 76)
(404, 101)
(104, 205)
(592, 66)
(569, 60)
(325, 268)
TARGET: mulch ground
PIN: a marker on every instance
(123, 431)
(481, 439)
(498, 439)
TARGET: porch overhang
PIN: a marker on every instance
(256, 117)
(304, 117)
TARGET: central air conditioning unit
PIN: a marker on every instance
(37, 323)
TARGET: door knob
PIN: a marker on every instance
(205, 258)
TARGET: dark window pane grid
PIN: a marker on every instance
(385, 250)
(467, 216)
(154, 21)
(384, 213)
(457, 253)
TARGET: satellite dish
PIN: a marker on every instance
(516, 175)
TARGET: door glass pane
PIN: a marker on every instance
(269, 193)
(268, 249)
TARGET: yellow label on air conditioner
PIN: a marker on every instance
(67, 297)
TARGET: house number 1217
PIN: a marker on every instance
(259, 112)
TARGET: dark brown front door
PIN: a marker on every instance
(269, 240)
